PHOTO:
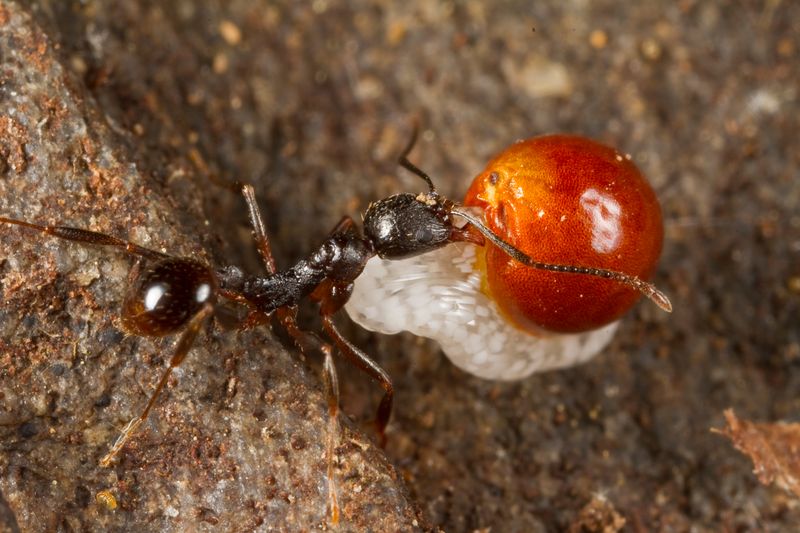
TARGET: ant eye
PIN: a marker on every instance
(561, 200)
(423, 235)
(165, 296)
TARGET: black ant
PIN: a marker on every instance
(173, 294)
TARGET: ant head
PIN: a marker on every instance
(405, 225)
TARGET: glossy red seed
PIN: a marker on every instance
(572, 201)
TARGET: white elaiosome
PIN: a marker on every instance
(437, 295)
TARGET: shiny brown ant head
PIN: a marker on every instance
(405, 225)
(166, 295)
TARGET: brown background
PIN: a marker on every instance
(101, 106)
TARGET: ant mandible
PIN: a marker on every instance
(172, 294)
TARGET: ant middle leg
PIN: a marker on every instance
(305, 341)
(345, 225)
(182, 347)
(253, 211)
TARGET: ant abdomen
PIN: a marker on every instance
(166, 295)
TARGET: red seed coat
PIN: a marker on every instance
(571, 201)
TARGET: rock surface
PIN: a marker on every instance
(114, 115)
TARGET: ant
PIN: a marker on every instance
(171, 295)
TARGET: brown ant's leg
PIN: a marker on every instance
(332, 297)
(308, 341)
(246, 189)
(371, 368)
(182, 348)
(259, 230)
(252, 320)
(203, 168)
(256, 220)
(88, 237)
(344, 225)
(332, 394)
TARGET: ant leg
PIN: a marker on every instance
(332, 394)
(88, 237)
(307, 341)
(259, 230)
(371, 368)
(332, 297)
(256, 220)
(345, 225)
(182, 348)
(246, 189)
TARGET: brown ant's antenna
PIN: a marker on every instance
(647, 289)
(411, 167)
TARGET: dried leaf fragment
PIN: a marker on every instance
(774, 449)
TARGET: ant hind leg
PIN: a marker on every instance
(181, 349)
(85, 236)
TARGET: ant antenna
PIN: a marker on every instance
(411, 167)
(647, 289)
